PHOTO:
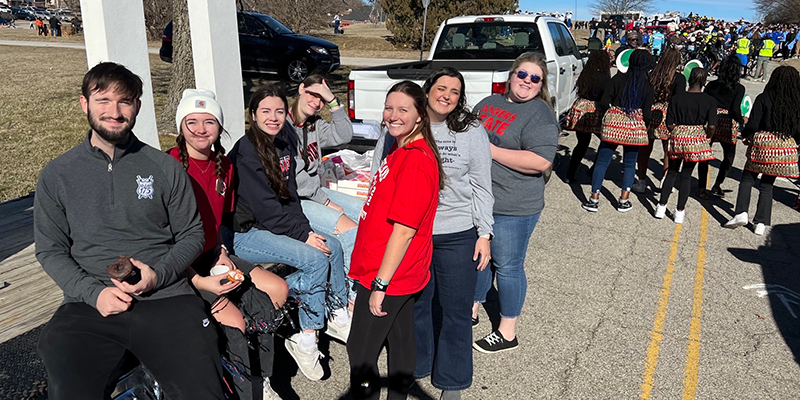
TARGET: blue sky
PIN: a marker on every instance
(725, 9)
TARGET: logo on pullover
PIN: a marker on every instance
(145, 189)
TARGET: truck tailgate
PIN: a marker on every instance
(371, 84)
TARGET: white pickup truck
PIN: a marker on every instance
(482, 48)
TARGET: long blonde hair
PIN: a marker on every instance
(540, 60)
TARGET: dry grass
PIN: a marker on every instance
(367, 40)
(23, 33)
(40, 116)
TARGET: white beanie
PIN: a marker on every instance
(197, 101)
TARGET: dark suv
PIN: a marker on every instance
(266, 46)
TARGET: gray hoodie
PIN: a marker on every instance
(89, 209)
(324, 135)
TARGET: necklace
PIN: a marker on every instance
(198, 165)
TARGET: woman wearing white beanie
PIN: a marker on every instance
(199, 121)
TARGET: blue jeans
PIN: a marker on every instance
(310, 281)
(509, 246)
(323, 219)
(453, 278)
(604, 153)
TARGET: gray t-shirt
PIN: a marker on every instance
(530, 126)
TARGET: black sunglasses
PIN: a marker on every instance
(534, 78)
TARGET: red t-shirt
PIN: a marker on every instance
(210, 203)
(405, 190)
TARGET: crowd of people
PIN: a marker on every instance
(651, 101)
(441, 223)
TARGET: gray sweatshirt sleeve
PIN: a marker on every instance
(339, 131)
(186, 226)
(326, 135)
(377, 155)
(51, 234)
(480, 178)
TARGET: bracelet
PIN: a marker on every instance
(381, 281)
(222, 247)
(334, 103)
(378, 286)
(487, 236)
(327, 201)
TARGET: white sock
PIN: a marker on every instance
(308, 341)
(340, 316)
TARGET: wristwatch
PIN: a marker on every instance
(379, 285)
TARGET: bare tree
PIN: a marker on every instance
(620, 6)
(299, 15)
(182, 66)
(779, 11)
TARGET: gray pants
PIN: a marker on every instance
(763, 61)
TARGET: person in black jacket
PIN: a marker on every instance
(584, 117)
(691, 120)
(270, 227)
(729, 94)
(771, 135)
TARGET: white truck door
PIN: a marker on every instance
(563, 69)
(574, 59)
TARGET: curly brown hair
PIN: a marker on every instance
(663, 73)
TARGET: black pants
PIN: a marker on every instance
(584, 139)
(728, 155)
(367, 335)
(764, 207)
(173, 337)
(685, 185)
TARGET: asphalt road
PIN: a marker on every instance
(621, 306)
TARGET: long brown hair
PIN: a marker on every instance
(219, 153)
(663, 74)
(263, 143)
(416, 93)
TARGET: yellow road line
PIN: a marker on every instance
(648, 377)
(690, 373)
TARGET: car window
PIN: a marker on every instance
(487, 40)
(253, 26)
(569, 42)
(558, 42)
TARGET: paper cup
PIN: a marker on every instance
(219, 270)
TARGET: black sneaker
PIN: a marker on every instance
(475, 321)
(591, 205)
(495, 343)
(624, 205)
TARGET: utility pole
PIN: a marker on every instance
(425, 3)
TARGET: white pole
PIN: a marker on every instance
(217, 64)
(424, 26)
(115, 31)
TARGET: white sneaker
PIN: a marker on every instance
(737, 221)
(268, 393)
(640, 186)
(679, 216)
(760, 229)
(661, 211)
(307, 361)
(339, 332)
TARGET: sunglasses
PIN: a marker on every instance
(534, 78)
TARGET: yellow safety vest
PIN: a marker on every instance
(766, 48)
(743, 46)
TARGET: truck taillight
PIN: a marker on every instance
(497, 87)
(351, 100)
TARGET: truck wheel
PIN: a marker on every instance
(297, 70)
